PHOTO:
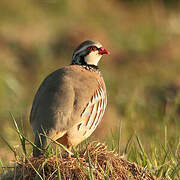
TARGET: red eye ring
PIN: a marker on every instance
(92, 48)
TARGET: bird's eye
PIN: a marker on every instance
(92, 48)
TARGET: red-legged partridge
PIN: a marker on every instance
(71, 101)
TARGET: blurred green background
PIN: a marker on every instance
(142, 73)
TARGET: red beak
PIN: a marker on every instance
(103, 51)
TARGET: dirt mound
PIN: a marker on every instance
(92, 162)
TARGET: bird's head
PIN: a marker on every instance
(88, 53)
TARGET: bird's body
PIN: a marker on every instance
(68, 105)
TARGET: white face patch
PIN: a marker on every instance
(93, 58)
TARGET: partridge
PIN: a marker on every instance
(71, 101)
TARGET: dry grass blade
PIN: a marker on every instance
(104, 165)
(37, 173)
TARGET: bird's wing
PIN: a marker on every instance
(94, 110)
(53, 104)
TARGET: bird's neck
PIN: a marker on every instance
(81, 62)
(91, 67)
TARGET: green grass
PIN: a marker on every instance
(162, 161)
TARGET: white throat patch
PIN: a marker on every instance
(93, 58)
